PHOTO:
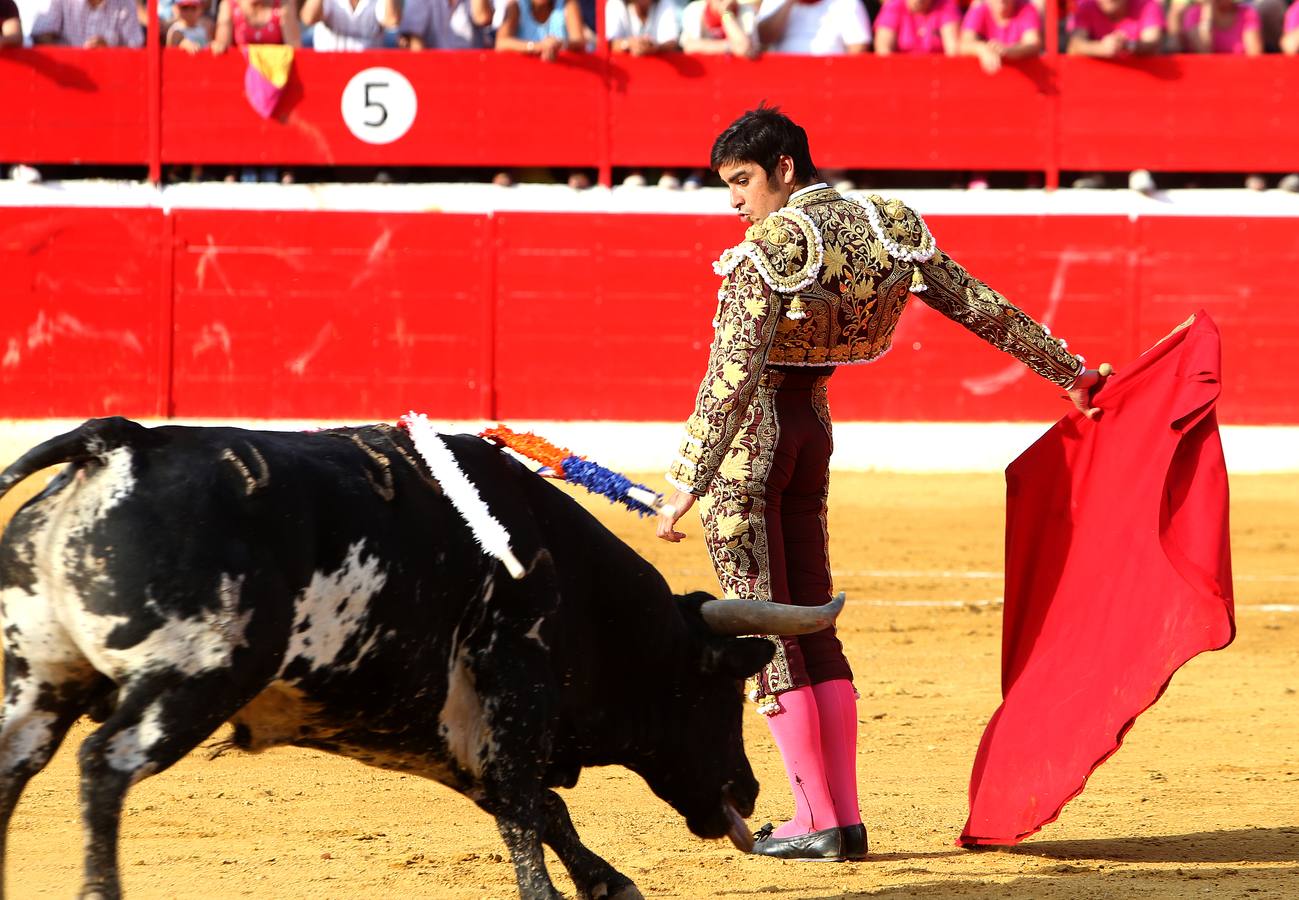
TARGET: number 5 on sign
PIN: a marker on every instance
(378, 105)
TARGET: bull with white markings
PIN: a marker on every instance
(320, 590)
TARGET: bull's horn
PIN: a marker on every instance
(736, 617)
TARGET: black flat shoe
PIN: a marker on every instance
(826, 844)
(855, 843)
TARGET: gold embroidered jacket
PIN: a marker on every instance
(823, 282)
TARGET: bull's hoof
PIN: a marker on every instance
(98, 892)
(620, 889)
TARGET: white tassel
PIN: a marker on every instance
(490, 534)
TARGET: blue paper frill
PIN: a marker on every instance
(599, 480)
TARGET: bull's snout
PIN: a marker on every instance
(726, 817)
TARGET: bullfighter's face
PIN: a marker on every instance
(755, 194)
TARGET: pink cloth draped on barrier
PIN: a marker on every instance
(1118, 571)
(268, 71)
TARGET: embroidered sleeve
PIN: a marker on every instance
(946, 286)
(747, 315)
(964, 299)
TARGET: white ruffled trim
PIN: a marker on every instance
(795, 315)
(920, 254)
(730, 259)
(685, 462)
(919, 289)
(490, 534)
(687, 488)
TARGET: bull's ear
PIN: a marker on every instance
(738, 657)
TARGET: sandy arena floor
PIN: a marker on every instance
(1203, 799)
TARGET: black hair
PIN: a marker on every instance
(763, 136)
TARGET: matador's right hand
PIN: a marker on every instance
(1086, 386)
(670, 512)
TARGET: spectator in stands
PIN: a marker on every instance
(446, 24)
(918, 26)
(193, 29)
(1222, 26)
(11, 25)
(348, 24)
(641, 27)
(1113, 28)
(721, 26)
(540, 28)
(1271, 15)
(816, 28)
(1290, 31)
(1290, 46)
(89, 23)
(243, 22)
(994, 30)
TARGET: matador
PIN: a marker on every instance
(819, 281)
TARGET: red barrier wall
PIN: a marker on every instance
(1185, 113)
(328, 315)
(74, 106)
(82, 315)
(288, 314)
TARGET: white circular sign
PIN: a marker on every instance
(379, 105)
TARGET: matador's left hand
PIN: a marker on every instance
(1086, 386)
(676, 506)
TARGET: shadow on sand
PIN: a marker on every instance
(1084, 870)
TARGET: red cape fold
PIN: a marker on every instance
(1118, 571)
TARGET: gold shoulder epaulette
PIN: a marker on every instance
(785, 247)
(903, 234)
(900, 229)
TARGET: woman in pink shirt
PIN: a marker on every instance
(918, 26)
(994, 30)
(1222, 26)
(1110, 28)
(244, 22)
(1290, 31)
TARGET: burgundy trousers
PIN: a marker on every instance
(765, 521)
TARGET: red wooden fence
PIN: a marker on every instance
(1177, 113)
(332, 315)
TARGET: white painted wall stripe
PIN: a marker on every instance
(648, 447)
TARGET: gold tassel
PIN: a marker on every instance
(797, 309)
(918, 285)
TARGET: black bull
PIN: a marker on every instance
(320, 590)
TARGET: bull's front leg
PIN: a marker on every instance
(523, 838)
(594, 877)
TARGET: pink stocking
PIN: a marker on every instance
(797, 730)
(837, 704)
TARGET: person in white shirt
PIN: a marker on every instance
(720, 26)
(443, 25)
(349, 24)
(641, 27)
(820, 28)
